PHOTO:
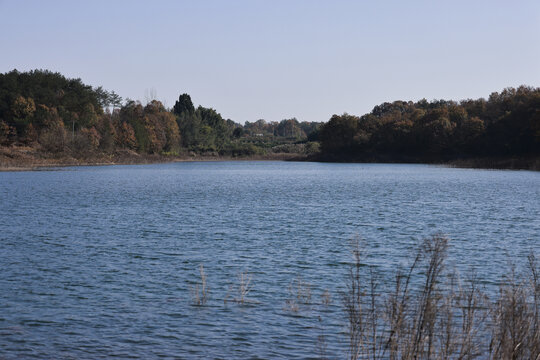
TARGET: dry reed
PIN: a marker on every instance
(299, 294)
(199, 294)
(441, 316)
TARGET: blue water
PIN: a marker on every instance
(98, 262)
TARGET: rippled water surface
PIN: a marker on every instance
(98, 262)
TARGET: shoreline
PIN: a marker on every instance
(528, 163)
(14, 159)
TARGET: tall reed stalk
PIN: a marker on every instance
(430, 313)
(199, 294)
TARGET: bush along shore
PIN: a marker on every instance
(48, 119)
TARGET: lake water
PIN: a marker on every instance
(98, 262)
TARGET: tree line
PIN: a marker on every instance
(46, 109)
(506, 124)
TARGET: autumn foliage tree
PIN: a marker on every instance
(150, 129)
(125, 136)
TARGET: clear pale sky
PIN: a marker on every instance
(279, 59)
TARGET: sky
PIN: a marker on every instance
(277, 59)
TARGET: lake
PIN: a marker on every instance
(102, 262)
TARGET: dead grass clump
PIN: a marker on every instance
(299, 294)
(199, 294)
(242, 290)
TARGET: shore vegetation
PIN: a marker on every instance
(48, 119)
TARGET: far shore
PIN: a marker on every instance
(531, 163)
(31, 159)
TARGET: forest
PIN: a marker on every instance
(45, 110)
(53, 114)
(507, 124)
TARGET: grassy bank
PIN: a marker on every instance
(22, 158)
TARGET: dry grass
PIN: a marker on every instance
(244, 286)
(326, 297)
(242, 290)
(322, 344)
(299, 294)
(515, 333)
(441, 316)
(427, 312)
(199, 294)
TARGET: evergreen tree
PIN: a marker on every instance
(183, 105)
